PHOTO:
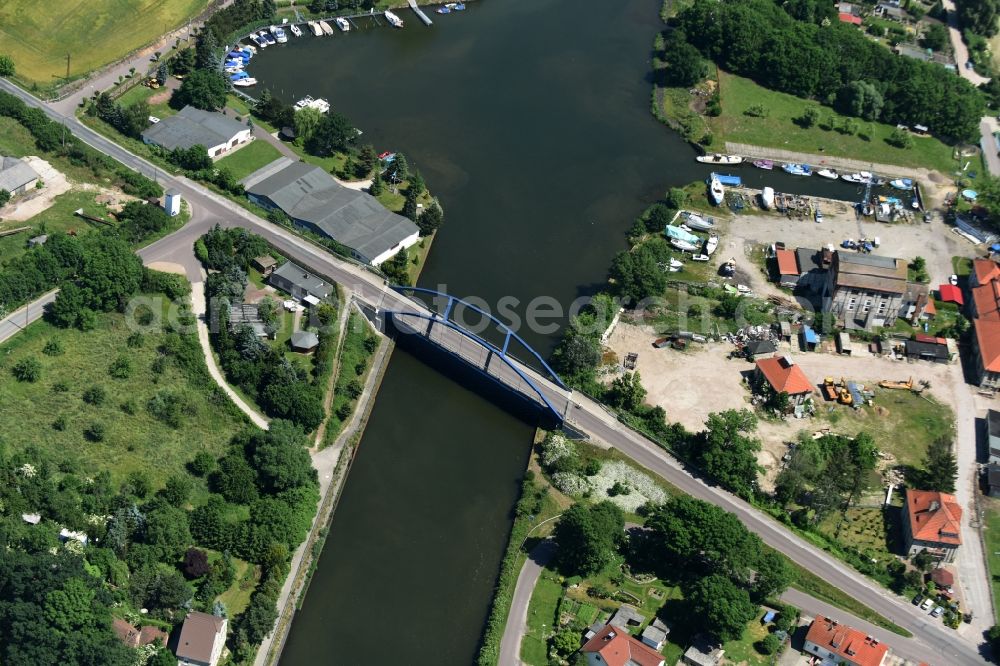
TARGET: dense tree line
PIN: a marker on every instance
(761, 40)
(224, 22)
(280, 388)
(979, 16)
(52, 137)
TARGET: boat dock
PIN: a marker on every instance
(420, 13)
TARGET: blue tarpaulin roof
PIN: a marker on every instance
(809, 335)
(769, 616)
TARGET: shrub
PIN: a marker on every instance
(203, 463)
(95, 432)
(53, 348)
(769, 645)
(95, 395)
(121, 368)
(59, 424)
(28, 369)
(60, 387)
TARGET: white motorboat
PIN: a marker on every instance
(325, 27)
(697, 222)
(711, 244)
(767, 198)
(279, 34)
(343, 24)
(251, 49)
(314, 27)
(268, 39)
(676, 263)
(243, 83)
(827, 173)
(258, 41)
(295, 30)
(393, 20)
(902, 183)
(716, 158)
(683, 245)
(862, 178)
(716, 191)
(700, 257)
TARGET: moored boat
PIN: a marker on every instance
(393, 20)
(902, 183)
(457, 6)
(325, 27)
(343, 24)
(764, 164)
(717, 158)
(315, 29)
(797, 169)
(295, 30)
(827, 173)
(268, 39)
(246, 82)
(279, 34)
(716, 191)
(695, 221)
(711, 244)
(258, 41)
(444, 10)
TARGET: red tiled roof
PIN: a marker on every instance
(988, 340)
(849, 18)
(951, 294)
(929, 339)
(846, 642)
(787, 265)
(132, 637)
(930, 308)
(943, 577)
(784, 376)
(617, 648)
(934, 517)
(985, 270)
(987, 300)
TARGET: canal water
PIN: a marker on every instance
(530, 121)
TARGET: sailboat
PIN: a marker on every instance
(716, 191)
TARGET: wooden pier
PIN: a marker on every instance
(420, 13)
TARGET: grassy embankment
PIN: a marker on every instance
(778, 128)
(134, 439)
(38, 35)
(355, 363)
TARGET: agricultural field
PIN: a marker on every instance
(74, 392)
(38, 35)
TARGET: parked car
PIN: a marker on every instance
(926, 606)
(918, 599)
(937, 612)
(969, 64)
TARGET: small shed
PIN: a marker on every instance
(625, 616)
(785, 329)
(844, 343)
(788, 268)
(38, 241)
(943, 577)
(758, 349)
(264, 265)
(655, 635)
(304, 341)
(950, 293)
(31, 518)
(172, 202)
(809, 338)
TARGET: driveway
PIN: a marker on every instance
(958, 46)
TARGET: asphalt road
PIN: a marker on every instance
(19, 319)
(942, 645)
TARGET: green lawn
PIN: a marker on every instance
(541, 618)
(991, 507)
(962, 266)
(58, 219)
(132, 442)
(742, 650)
(144, 93)
(778, 131)
(249, 158)
(237, 597)
(863, 528)
(38, 35)
(902, 423)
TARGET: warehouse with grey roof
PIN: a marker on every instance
(315, 200)
(16, 176)
(194, 127)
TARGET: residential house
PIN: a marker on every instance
(865, 290)
(983, 272)
(781, 375)
(932, 521)
(264, 265)
(314, 200)
(300, 283)
(194, 127)
(134, 638)
(892, 11)
(993, 479)
(304, 342)
(984, 308)
(840, 645)
(993, 434)
(655, 635)
(202, 639)
(613, 646)
(703, 652)
(16, 176)
(788, 268)
(758, 349)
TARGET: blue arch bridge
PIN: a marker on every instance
(528, 387)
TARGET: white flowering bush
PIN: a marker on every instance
(641, 487)
(554, 448)
(27, 470)
(570, 483)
